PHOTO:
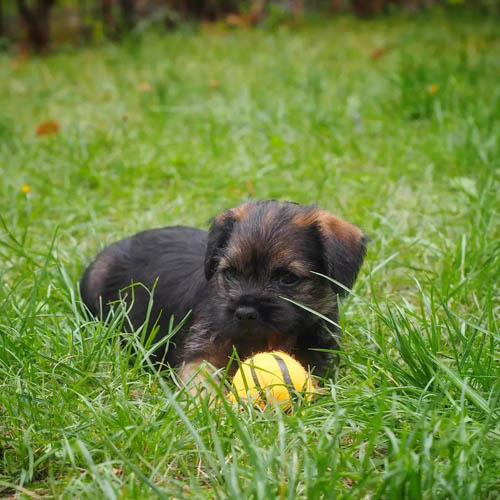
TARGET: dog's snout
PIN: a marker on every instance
(246, 314)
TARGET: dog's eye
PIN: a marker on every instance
(230, 274)
(286, 278)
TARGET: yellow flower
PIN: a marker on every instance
(26, 189)
(433, 88)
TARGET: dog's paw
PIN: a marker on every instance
(199, 378)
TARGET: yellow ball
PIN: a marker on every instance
(272, 377)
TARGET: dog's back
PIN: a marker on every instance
(167, 260)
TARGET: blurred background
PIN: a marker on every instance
(43, 25)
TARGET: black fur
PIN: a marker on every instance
(235, 279)
(169, 259)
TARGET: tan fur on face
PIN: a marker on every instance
(299, 268)
(331, 225)
(244, 211)
(239, 213)
(283, 257)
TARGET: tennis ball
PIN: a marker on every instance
(270, 378)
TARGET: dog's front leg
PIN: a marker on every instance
(197, 375)
(201, 365)
(205, 355)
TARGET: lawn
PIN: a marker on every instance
(393, 124)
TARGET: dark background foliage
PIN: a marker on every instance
(40, 25)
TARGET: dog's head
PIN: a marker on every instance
(263, 251)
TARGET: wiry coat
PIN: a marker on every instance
(235, 280)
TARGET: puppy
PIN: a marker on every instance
(235, 279)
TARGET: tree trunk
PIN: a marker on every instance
(2, 26)
(128, 13)
(37, 21)
(108, 19)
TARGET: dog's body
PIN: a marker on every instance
(168, 261)
(235, 279)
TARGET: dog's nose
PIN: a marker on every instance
(246, 314)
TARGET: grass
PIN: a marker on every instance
(171, 130)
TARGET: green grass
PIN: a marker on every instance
(304, 115)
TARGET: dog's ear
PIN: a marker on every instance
(218, 236)
(344, 249)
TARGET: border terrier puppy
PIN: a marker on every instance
(235, 280)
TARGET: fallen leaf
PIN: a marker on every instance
(250, 188)
(433, 89)
(144, 87)
(20, 59)
(348, 482)
(48, 127)
(235, 20)
(378, 53)
(243, 20)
